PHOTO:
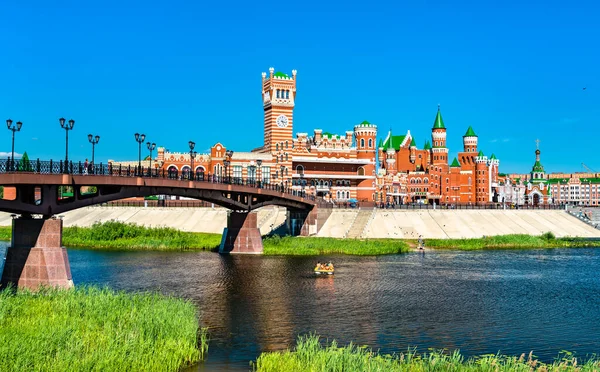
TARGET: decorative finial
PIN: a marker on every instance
(537, 144)
(438, 107)
(264, 75)
(271, 69)
(294, 72)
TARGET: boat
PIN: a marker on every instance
(324, 269)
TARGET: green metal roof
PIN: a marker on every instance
(537, 167)
(427, 145)
(281, 74)
(380, 143)
(455, 163)
(438, 123)
(590, 180)
(480, 153)
(557, 180)
(413, 143)
(470, 132)
(493, 157)
(393, 142)
(365, 123)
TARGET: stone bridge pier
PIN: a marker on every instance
(241, 234)
(302, 222)
(36, 256)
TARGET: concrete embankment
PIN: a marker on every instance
(342, 223)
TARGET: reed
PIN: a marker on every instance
(312, 246)
(90, 328)
(311, 355)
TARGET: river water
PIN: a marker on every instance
(479, 302)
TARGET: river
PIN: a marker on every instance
(479, 302)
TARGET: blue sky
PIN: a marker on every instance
(191, 70)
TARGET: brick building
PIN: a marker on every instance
(408, 174)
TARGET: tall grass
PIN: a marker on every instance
(128, 236)
(312, 246)
(515, 241)
(310, 355)
(89, 328)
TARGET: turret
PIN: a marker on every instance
(366, 135)
(482, 191)
(413, 150)
(537, 172)
(470, 140)
(390, 154)
(438, 136)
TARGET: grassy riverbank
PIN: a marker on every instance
(88, 328)
(547, 240)
(310, 246)
(310, 355)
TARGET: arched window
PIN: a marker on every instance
(447, 180)
(278, 93)
(337, 194)
(436, 144)
(277, 147)
(299, 169)
(426, 180)
(286, 171)
(286, 144)
(361, 171)
(362, 142)
(370, 142)
(347, 194)
(281, 158)
(287, 94)
(286, 156)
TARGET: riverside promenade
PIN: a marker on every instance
(351, 223)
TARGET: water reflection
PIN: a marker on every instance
(479, 302)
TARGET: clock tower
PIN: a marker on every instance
(279, 94)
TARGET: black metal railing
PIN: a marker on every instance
(78, 168)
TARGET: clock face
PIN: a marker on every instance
(282, 121)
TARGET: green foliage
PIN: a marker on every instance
(128, 236)
(24, 165)
(89, 328)
(310, 246)
(1, 192)
(514, 241)
(311, 355)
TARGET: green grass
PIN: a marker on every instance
(114, 235)
(310, 355)
(516, 241)
(89, 328)
(310, 246)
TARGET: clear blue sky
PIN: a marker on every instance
(191, 70)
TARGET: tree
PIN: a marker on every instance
(24, 164)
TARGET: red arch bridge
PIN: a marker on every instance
(36, 256)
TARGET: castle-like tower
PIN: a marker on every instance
(279, 94)
(438, 137)
(365, 134)
(482, 181)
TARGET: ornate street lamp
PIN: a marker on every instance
(192, 156)
(259, 163)
(13, 128)
(226, 163)
(93, 140)
(151, 147)
(67, 126)
(282, 168)
(229, 154)
(139, 138)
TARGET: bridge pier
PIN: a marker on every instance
(36, 256)
(303, 223)
(241, 234)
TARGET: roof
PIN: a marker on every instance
(427, 145)
(493, 157)
(380, 143)
(455, 163)
(537, 167)
(470, 132)
(591, 180)
(393, 142)
(480, 153)
(413, 143)
(365, 123)
(281, 74)
(438, 123)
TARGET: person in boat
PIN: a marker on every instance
(318, 267)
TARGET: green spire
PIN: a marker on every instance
(538, 167)
(455, 163)
(413, 143)
(493, 157)
(427, 146)
(365, 123)
(380, 143)
(470, 132)
(438, 123)
(480, 154)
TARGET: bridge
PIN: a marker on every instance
(36, 256)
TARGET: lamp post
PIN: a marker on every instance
(192, 156)
(226, 163)
(282, 168)
(93, 140)
(259, 163)
(67, 126)
(302, 183)
(151, 147)
(139, 138)
(13, 128)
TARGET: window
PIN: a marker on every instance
(362, 142)
(252, 173)
(237, 171)
(276, 147)
(218, 170)
(265, 174)
(370, 142)
(278, 93)
(287, 94)
(286, 144)
(300, 169)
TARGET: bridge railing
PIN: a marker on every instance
(78, 168)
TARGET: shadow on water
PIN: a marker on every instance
(479, 302)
